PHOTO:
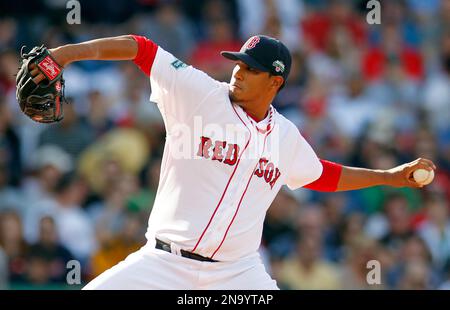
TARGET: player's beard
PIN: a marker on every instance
(234, 99)
(232, 96)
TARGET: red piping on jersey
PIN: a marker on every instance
(240, 201)
(329, 179)
(253, 121)
(226, 187)
(146, 53)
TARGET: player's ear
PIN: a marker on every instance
(277, 81)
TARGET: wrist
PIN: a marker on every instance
(60, 55)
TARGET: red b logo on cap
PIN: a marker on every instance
(251, 43)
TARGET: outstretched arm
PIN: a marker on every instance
(342, 178)
(401, 176)
(114, 48)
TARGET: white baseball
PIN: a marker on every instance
(423, 176)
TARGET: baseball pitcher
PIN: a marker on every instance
(227, 154)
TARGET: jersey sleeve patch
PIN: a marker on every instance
(178, 64)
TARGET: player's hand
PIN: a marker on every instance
(402, 176)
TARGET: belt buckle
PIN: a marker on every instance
(174, 249)
(166, 247)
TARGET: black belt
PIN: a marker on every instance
(161, 245)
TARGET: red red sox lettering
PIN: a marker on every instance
(231, 153)
(268, 170)
(227, 153)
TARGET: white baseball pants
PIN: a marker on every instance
(150, 268)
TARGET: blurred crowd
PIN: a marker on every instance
(372, 96)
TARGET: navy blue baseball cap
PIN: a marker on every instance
(264, 53)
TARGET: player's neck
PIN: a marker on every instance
(257, 110)
(257, 117)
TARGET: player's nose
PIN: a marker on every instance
(238, 73)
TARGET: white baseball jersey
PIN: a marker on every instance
(220, 169)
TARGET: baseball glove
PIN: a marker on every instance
(42, 102)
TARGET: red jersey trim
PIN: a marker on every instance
(226, 187)
(329, 178)
(146, 53)
(254, 122)
(240, 201)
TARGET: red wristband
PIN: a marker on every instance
(146, 53)
(329, 179)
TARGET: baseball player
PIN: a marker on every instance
(227, 154)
